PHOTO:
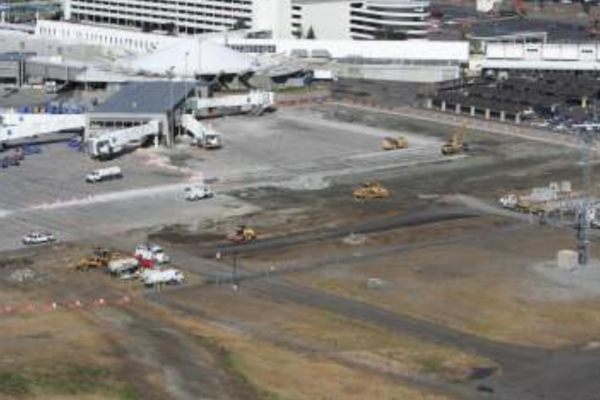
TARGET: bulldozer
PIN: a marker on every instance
(371, 190)
(93, 262)
(243, 234)
(394, 143)
(99, 260)
(456, 144)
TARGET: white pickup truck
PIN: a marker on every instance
(104, 174)
(198, 192)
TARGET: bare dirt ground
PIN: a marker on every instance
(419, 296)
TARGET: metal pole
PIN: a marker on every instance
(235, 270)
(584, 223)
(171, 110)
(187, 53)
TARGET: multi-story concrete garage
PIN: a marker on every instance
(278, 19)
(366, 19)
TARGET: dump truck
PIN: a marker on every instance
(456, 145)
(394, 143)
(371, 190)
(243, 234)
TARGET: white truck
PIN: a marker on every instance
(151, 277)
(123, 266)
(111, 143)
(104, 174)
(151, 252)
(198, 192)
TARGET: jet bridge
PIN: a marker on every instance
(256, 101)
(204, 135)
(110, 143)
(16, 126)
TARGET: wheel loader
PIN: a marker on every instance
(371, 190)
(243, 234)
(391, 143)
(456, 144)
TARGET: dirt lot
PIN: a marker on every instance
(420, 296)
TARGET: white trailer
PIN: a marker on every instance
(104, 174)
(111, 143)
(152, 277)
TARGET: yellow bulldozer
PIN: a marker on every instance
(456, 144)
(371, 190)
(99, 260)
(243, 234)
(394, 143)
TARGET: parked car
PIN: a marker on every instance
(29, 149)
(33, 238)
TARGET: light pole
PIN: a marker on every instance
(187, 53)
(171, 111)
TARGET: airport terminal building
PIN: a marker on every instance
(277, 19)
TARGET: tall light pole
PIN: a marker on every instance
(187, 53)
(171, 111)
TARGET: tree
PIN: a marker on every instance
(311, 34)
(240, 24)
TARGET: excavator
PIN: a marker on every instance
(394, 143)
(456, 144)
(371, 190)
(243, 234)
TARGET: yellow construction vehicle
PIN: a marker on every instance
(391, 143)
(371, 190)
(100, 259)
(456, 144)
(94, 262)
(243, 234)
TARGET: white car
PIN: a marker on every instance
(199, 192)
(38, 238)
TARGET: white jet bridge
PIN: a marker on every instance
(255, 102)
(110, 143)
(202, 134)
(16, 126)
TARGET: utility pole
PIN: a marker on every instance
(234, 272)
(585, 212)
(171, 111)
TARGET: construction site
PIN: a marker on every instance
(345, 252)
(195, 217)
